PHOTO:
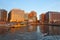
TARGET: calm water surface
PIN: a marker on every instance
(28, 33)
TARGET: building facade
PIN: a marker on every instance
(26, 16)
(53, 17)
(3, 15)
(32, 16)
(42, 18)
(16, 15)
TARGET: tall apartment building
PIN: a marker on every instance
(3, 15)
(16, 15)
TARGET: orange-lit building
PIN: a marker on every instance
(42, 18)
(16, 15)
(32, 16)
(3, 15)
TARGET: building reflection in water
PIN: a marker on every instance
(44, 28)
(50, 30)
(32, 28)
(54, 30)
(29, 32)
(3, 30)
(18, 29)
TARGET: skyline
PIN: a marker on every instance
(39, 6)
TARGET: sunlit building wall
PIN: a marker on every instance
(16, 15)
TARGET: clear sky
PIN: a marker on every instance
(40, 6)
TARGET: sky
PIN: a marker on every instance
(40, 6)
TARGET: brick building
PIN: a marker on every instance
(53, 17)
(16, 15)
(42, 18)
(32, 16)
(3, 15)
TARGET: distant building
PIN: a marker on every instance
(16, 15)
(42, 18)
(3, 15)
(53, 17)
(32, 16)
(26, 16)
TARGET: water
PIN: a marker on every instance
(29, 33)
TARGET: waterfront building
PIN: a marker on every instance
(26, 18)
(42, 18)
(32, 17)
(53, 17)
(3, 15)
(16, 15)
